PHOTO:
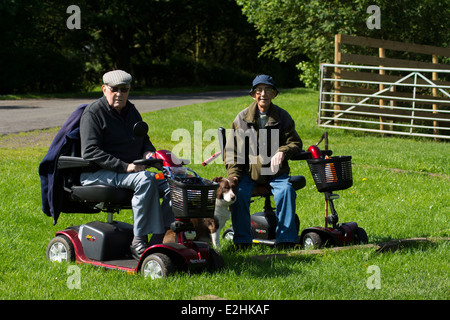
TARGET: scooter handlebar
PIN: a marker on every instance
(305, 155)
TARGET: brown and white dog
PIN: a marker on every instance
(208, 229)
(226, 196)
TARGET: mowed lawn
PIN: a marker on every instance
(401, 190)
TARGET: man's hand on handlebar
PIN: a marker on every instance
(135, 167)
(132, 167)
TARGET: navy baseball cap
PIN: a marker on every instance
(263, 79)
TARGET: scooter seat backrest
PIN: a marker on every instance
(298, 182)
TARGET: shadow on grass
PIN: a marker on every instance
(263, 261)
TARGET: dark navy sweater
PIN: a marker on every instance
(107, 137)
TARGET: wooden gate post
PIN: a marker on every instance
(382, 54)
(435, 94)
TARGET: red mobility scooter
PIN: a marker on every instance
(329, 174)
(106, 244)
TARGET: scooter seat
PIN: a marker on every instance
(298, 182)
(102, 193)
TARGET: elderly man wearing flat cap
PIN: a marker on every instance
(262, 139)
(106, 131)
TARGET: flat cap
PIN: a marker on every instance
(116, 78)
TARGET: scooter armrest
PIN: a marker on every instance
(66, 162)
(302, 155)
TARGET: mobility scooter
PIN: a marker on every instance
(106, 244)
(329, 174)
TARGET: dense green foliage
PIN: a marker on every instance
(161, 43)
(194, 42)
(299, 30)
(292, 28)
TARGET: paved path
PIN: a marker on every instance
(32, 114)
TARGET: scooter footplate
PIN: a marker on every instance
(127, 263)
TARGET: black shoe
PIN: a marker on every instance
(242, 246)
(138, 249)
(286, 245)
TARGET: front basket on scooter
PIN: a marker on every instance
(331, 174)
(193, 197)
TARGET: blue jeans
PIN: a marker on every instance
(284, 196)
(148, 216)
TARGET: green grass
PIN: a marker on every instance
(401, 190)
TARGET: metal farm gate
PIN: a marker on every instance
(391, 96)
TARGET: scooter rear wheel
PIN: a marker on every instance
(312, 240)
(157, 266)
(228, 234)
(215, 261)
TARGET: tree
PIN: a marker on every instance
(34, 55)
(293, 29)
(162, 43)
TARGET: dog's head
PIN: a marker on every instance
(227, 190)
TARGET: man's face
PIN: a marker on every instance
(116, 96)
(263, 95)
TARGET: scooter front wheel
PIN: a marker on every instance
(361, 236)
(157, 266)
(59, 249)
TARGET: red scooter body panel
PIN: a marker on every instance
(342, 235)
(169, 159)
(196, 254)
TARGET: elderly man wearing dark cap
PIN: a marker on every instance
(262, 139)
(106, 131)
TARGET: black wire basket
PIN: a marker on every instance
(193, 197)
(332, 174)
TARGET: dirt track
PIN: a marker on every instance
(32, 114)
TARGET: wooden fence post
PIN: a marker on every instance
(337, 60)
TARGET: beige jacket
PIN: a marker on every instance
(249, 149)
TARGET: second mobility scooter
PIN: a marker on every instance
(106, 244)
(329, 174)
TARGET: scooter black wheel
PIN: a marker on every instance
(312, 240)
(59, 249)
(228, 234)
(157, 266)
(215, 261)
(360, 236)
